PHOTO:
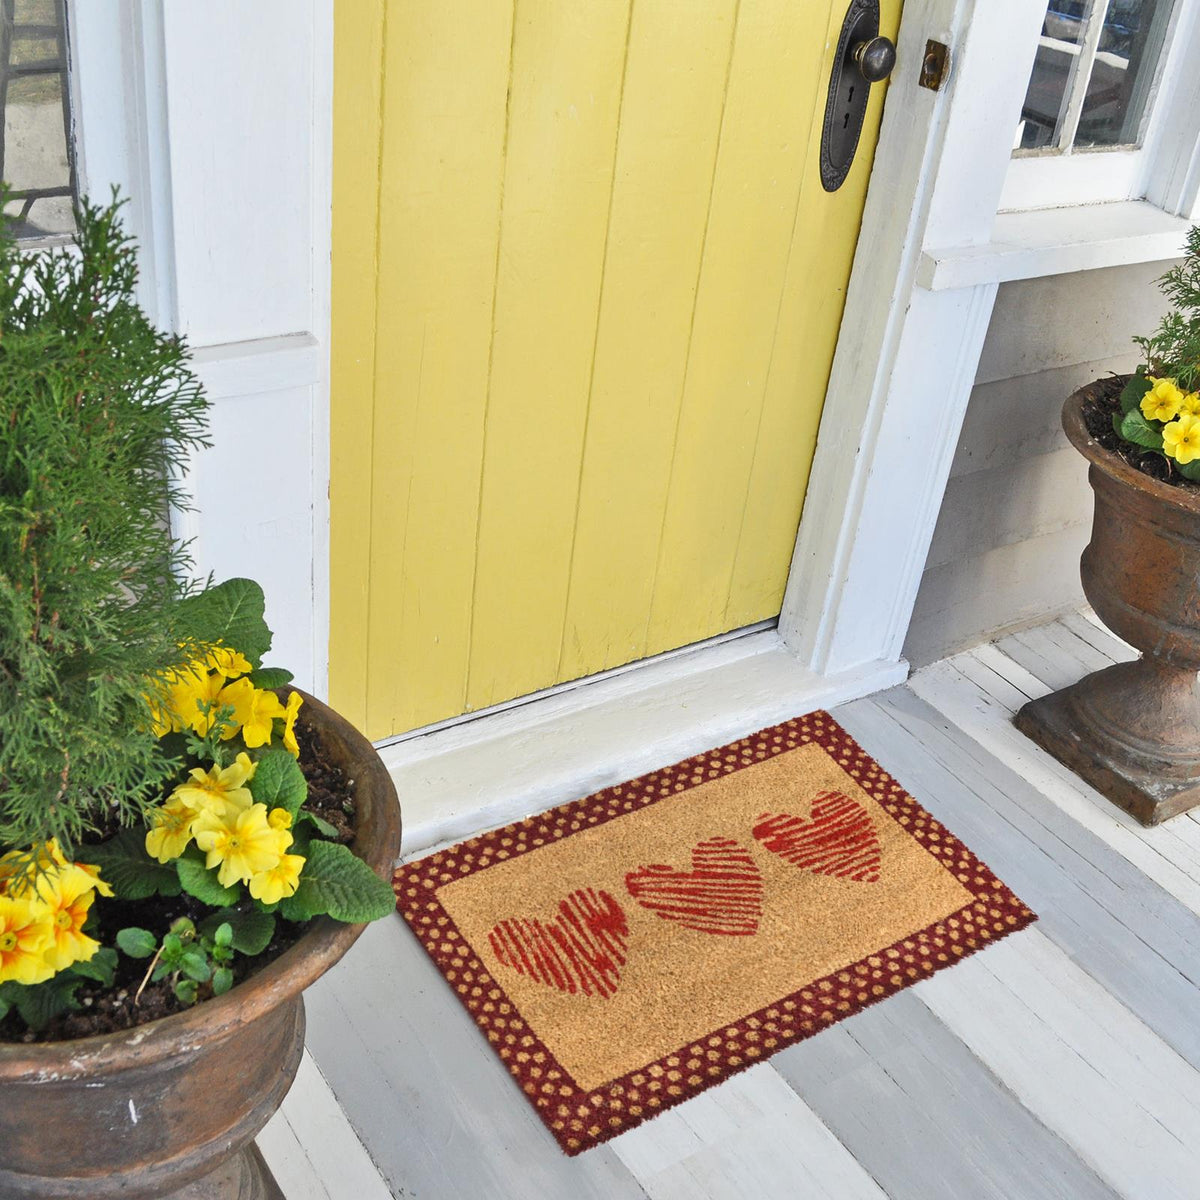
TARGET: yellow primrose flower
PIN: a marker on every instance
(219, 790)
(253, 710)
(1190, 404)
(170, 830)
(229, 662)
(281, 880)
(190, 687)
(93, 872)
(25, 935)
(294, 701)
(163, 719)
(1162, 401)
(67, 894)
(1181, 438)
(280, 818)
(23, 865)
(243, 845)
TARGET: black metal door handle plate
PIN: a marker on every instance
(863, 57)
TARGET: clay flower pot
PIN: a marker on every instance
(1133, 730)
(170, 1109)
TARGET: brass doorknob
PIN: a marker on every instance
(875, 58)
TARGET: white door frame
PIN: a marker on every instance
(203, 174)
(215, 120)
(897, 395)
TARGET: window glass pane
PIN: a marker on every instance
(35, 157)
(1122, 76)
(1057, 55)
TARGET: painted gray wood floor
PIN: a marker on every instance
(1063, 1062)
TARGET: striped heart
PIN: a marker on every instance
(582, 949)
(837, 839)
(721, 894)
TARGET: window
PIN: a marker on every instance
(1096, 65)
(1096, 96)
(37, 159)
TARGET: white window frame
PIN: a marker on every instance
(1098, 175)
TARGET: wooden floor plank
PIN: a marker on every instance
(757, 1138)
(966, 704)
(433, 1104)
(1097, 636)
(1126, 931)
(926, 1117)
(311, 1148)
(1055, 659)
(1078, 1060)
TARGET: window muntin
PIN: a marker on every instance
(1094, 76)
(37, 159)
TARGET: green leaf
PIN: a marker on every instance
(186, 991)
(322, 826)
(131, 872)
(1132, 393)
(194, 964)
(102, 966)
(336, 881)
(40, 1004)
(230, 612)
(199, 881)
(222, 981)
(5, 1001)
(1136, 429)
(136, 942)
(223, 934)
(251, 929)
(270, 677)
(278, 781)
(1188, 470)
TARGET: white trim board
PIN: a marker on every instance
(461, 780)
(1057, 241)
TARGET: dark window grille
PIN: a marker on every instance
(34, 88)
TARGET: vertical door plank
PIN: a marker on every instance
(358, 86)
(677, 68)
(445, 112)
(776, 85)
(568, 61)
(822, 250)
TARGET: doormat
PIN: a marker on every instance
(626, 951)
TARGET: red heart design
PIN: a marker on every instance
(837, 839)
(580, 950)
(721, 894)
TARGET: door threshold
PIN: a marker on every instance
(558, 689)
(468, 777)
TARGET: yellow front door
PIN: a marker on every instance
(586, 290)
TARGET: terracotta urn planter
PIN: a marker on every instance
(171, 1108)
(1133, 730)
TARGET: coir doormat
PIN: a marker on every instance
(628, 950)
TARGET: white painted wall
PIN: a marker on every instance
(1017, 509)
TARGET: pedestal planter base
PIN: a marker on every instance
(243, 1177)
(1132, 731)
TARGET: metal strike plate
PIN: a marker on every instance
(862, 57)
(934, 65)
